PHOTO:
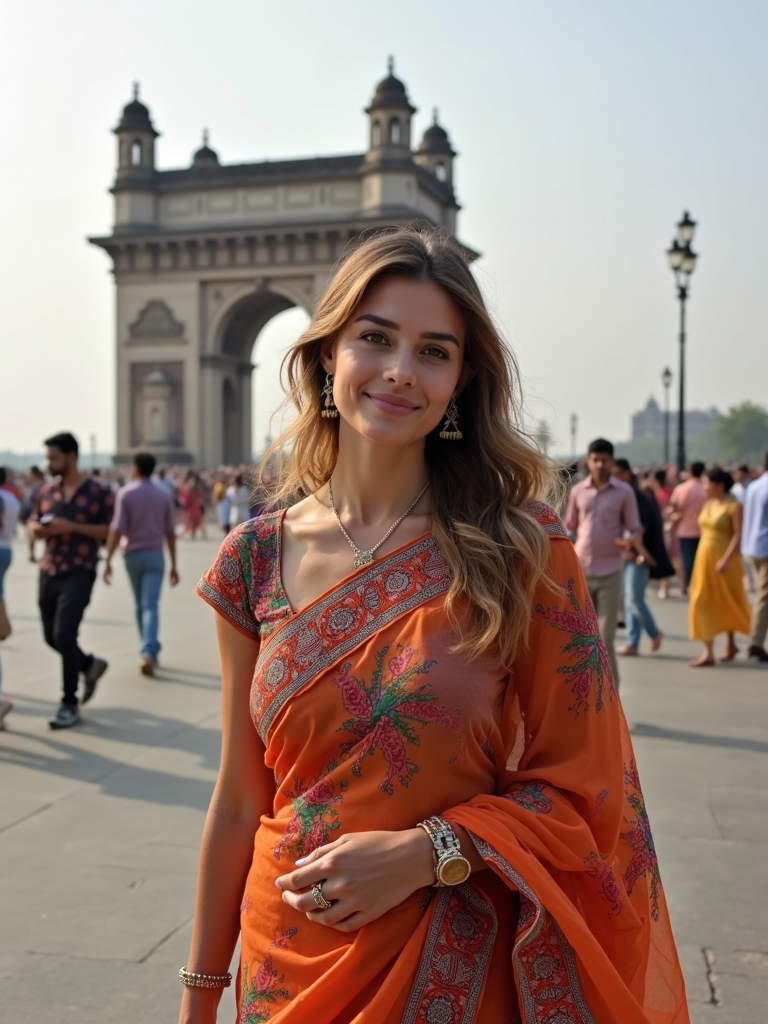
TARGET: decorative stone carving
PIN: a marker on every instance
(157, 405)
(156, 321)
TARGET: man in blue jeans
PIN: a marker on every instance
(143, 522)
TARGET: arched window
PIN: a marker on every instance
(395, 134)
(136, 153)
(441, 171)
(376, 134)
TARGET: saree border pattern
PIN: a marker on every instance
(454, 960)
(312, 640)
(543, 958)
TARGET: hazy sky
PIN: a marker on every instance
(584, 130)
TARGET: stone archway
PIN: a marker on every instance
(226, 371)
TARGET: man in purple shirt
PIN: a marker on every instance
(602, 512)
(143, 522)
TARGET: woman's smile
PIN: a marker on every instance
(394, 405)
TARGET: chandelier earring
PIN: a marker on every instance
(450, 431)
(330, 412)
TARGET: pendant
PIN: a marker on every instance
(363, 558)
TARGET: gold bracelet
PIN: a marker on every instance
(193, 980)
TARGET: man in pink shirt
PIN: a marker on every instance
(602, 512)
(686, 503)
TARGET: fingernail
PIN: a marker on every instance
(277, 883)
(301, 862)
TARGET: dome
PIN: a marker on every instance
(435, 140)
(390, 92)
(205, 156)
(136, 116)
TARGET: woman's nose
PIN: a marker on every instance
(401, 369)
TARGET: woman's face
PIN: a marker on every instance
(398, 361)
(713, 490)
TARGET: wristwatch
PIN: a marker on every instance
(451, 866)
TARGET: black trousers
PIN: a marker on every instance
(688, 549)
(63, 600)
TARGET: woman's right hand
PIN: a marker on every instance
(199, 1005)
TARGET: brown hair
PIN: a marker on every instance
(480, 485)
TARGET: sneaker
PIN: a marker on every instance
(759, 653)
(92, 676)
(147, 666)
(66, 716)
(6, 705)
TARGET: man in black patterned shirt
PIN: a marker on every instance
(72, 516)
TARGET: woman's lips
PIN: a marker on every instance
(393, 404)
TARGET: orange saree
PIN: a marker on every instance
(370, 722)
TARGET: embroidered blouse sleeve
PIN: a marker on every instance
(226, 586)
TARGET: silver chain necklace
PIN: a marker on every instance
(363, 558)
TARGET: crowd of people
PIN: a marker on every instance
(706, 529)
(74, 518)
(702, 534)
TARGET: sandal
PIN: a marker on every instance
(702, 663)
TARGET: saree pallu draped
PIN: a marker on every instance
(370, 722)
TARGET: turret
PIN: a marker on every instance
(435, 152)
(135, 180)
(390, 115)
(205, 158)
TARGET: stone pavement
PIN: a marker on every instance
(99, 826)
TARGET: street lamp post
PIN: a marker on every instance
(666, 380)
(574, 428)
(682, 260)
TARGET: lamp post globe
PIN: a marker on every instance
(682, 262)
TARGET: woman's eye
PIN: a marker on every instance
(375, 336)
(434, 351)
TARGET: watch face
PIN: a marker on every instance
(454, 870)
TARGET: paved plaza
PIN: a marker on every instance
(100, 825)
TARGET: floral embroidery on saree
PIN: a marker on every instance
(591, 664)
(547, 517)
(644, 861)
(609, 888)
(543, 959)
(262, 990)
(529, 795)
(385, 712)
(244, 581)
(314, 639)
(313, 817)
(454, 960)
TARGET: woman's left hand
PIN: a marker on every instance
(722, 565)
(363, 875)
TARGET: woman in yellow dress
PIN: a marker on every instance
(718, 600)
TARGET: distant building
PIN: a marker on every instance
(205, 255)
(648, 424)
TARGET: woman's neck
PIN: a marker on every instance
(373, 483)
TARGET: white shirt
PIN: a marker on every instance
(9, 514)
(738, 491)
(240, 508)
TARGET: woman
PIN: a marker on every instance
(192, 497)
(239, 496)
(644, 561)
(415, 644)
(718, 599)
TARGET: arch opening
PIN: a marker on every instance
(244, 384)
(269, 348)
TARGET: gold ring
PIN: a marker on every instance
(317, 895)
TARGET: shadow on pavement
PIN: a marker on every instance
(699, 738)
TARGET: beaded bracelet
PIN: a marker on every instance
(193, 980)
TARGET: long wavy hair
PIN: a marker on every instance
(480, 485)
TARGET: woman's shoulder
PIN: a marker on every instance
(546, 517)
(256, 535)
